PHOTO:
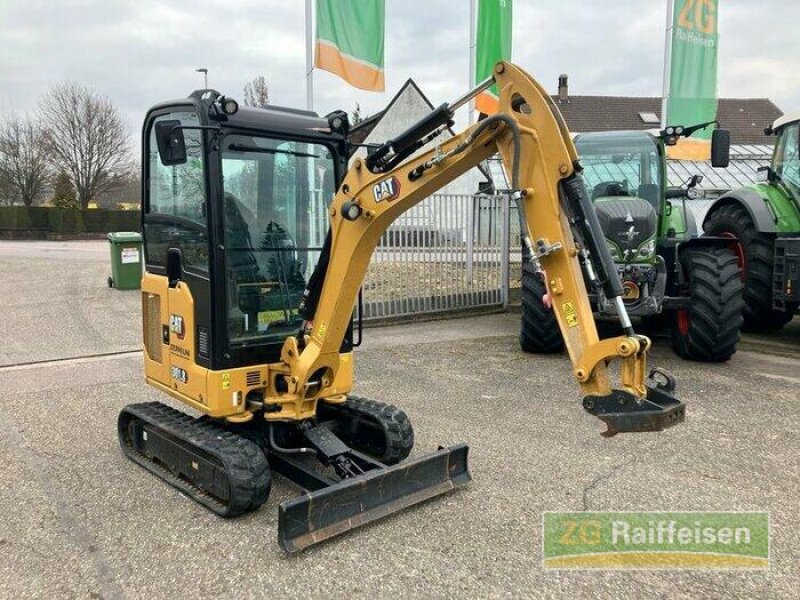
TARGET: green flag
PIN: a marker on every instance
(692, 97)
(350, 41)
(493, 43)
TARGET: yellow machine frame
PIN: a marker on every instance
(318, 371)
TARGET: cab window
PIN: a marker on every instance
(275, 199)
(788, 156)
(176, 215)
(621, 164)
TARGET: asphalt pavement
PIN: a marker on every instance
(78, 520)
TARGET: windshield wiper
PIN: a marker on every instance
(243, 148)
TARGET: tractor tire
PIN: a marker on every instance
(756, 257)
(708, 328)
(540, 333)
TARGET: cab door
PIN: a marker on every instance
(176, 303)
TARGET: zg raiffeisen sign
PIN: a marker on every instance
(655, 540)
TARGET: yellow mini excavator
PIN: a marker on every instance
(257, 238)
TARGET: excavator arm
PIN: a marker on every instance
(563, 238)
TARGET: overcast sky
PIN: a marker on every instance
(139, 52)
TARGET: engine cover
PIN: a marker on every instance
(627, 221)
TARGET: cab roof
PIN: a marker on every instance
(278, 119)
(786, 120)
(607, 142)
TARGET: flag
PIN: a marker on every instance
(350, 41)
(692, 96)
(493, 43)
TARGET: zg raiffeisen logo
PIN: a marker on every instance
(655, 540)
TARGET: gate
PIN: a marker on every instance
(448, 253)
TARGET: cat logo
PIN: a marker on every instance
(388, 189)
(176, 326)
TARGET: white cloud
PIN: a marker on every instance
(139, 52)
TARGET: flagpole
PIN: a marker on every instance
(473, 33)
(667, 62)
(309, 59)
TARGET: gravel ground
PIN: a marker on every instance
(78, 520)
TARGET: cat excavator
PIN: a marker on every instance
(259, 225)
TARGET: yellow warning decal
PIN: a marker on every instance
(226, 381)
(323, 329)
(570, 315)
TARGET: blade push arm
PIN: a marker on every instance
(533, 141)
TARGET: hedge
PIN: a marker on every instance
(64, 221)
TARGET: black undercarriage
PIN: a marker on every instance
(345, 461)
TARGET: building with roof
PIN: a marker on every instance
(425, 221)
(745, 118)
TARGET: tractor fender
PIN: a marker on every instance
(704, 241)
(753, 202)
(707, 241)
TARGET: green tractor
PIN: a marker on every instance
(672, 276)
(764, 218)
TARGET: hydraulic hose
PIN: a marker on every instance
(274, 445)
(512, 125)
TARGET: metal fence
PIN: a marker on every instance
(452, 252)
(447, 253)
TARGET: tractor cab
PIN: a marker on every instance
(624, 174)
(660, 255)
(256, 181)
(785, 167)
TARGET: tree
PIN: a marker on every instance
(355, 116)
(86, 138)
(6, 191)
(63, 192)
(256, 92)
(127, 193)
(23, 159)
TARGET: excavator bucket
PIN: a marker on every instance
(334, 509)
(622, 412)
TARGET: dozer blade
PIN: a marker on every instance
(319, 515)
(622, 412)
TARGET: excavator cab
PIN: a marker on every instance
(259, 183)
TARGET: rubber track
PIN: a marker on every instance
(759, 251)
(396, 426)
(715, 306)
(539, 333)
(243, 461)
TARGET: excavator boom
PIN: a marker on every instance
(563, 237)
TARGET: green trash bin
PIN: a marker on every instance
(126, 260)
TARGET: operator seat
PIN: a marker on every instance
(283, 264)
(649, 191)
(241, 263)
